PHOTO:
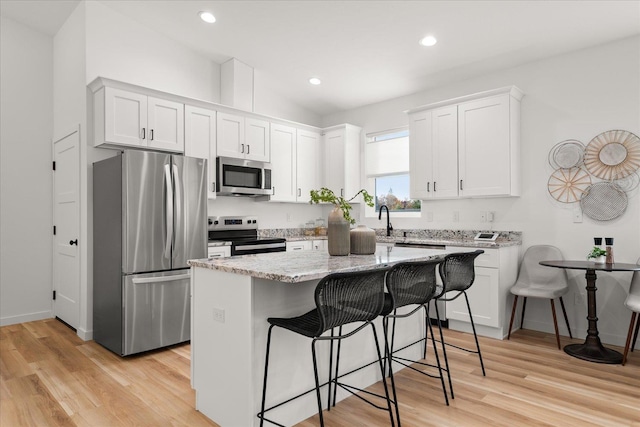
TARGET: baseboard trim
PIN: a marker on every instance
(84, 334)
(23, 318)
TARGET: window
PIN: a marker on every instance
(387, 171)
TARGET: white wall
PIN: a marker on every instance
(573, 96)
(25, 173)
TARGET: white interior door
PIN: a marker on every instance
(66, 217)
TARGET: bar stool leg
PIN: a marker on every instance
(315, 376)
(473, 326)
(435, 351)
(264, 383)
(335, 377)
(331, 370)
(384, 379)
(444, 348)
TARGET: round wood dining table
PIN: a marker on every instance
(592, 348)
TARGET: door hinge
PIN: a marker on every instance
(54, 295)
(54, 230)
(54, 165)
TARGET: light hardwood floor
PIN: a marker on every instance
(49, 377)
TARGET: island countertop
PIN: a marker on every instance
(300, 266)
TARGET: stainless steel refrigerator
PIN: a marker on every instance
(149, 219)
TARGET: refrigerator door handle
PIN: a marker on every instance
(143, 280)
(177, 185)
(168, 212)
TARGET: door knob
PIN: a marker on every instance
(73, 242)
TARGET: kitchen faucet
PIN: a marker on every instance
(389, 226)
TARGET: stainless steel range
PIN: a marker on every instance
(242, 233)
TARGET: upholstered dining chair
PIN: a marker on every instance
(633, 303)
(537, 281)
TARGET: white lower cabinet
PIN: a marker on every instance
(489, 297)
(319, 245)
(219, 251)
(300, 245)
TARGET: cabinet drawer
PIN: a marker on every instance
(490, 258)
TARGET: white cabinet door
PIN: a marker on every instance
(125, 117)
(165, 120)
(200, 141)
(308, 164)
(420, 148)
(444, 156)
(334, 161)
(483, 299)
(319, 245)
(257, 140)
(302, 245)
(283, 163)
(484, 146)
(219, 251)
(230, 135)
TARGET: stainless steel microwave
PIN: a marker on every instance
(239, 177)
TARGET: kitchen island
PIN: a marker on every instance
(231, 300)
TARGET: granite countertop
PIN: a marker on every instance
(500, 242)
(293, 267)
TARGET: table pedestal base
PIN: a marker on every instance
(593, 353)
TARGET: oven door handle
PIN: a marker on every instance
(260, 246)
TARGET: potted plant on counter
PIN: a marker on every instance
(339, 218)
(598, 255)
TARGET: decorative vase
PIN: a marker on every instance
(363, 240)
(600, 259)
(339, 241)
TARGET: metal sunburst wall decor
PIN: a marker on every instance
(613, 157)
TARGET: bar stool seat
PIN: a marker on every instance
(341, 299)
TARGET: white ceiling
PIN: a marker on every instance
(365, 51)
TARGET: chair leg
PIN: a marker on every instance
(444, 349)
(435, 351)
(566, 319)
(264, 383)
(330, 371)
(635, 336)
(473, 326)
(335, 386)
(513, 314)
(524, 306)
(384, 379)
(626, 346)
(555, 322)
(315, 376)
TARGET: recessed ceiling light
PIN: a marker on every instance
(207, 17)
(428, 41)
(315, 81)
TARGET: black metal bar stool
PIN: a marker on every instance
(340, 298)
(457, 271)
(411, 283)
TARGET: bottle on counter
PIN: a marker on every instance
(609, 256)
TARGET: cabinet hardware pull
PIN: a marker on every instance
(299, 192)
(342, 192)
(151, 134)
(460, 185)
(242, 148)
(143, 133)
(248, 148)
(213, 187)
(274, 190)
(428, 186)
(73, 242)
(434, 186)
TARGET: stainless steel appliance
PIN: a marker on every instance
(242, 233)
(238, 177)
(149, 218)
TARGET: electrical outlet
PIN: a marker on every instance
(491, 215)
(218, 314)
(483, 216)
(456, 216)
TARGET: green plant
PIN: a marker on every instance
(327, 196)
(596, 252)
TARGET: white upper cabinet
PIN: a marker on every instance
(309, 164)
(283, 163)
(342, 160)
(243, 137)
(200, 141)
(467, 147)
(489, 152)
(132, 119)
